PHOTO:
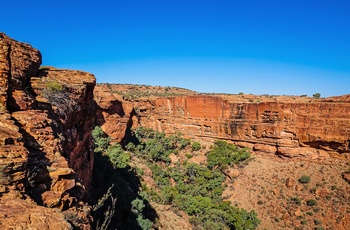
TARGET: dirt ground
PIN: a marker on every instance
(269, 185)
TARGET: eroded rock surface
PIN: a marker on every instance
(46, 155)
(292, 127)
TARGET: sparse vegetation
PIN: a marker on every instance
(304, 179)
(196, 189)
(59, 96)
(136, 94)
(117, 183)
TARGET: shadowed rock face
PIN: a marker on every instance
(289, 127)
(46, 151)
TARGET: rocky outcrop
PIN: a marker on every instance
(287, 126)
(18, 213)
(46, 156)
(113, 114)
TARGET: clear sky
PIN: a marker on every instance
(229, 46)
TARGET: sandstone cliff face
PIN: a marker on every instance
(292, 127)
(310, 129)
(46, 151)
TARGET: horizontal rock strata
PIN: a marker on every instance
(304, 128)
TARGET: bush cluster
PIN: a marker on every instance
(224, 154)
(112, 169)
(101, 140)
(156, 146)
(195, 189)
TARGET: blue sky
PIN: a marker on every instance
(251, 46)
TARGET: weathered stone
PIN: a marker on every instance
(306, 152)
(265, 148)
(322, 192)
(298, 212)
(45, 145)
(290, 182)
(79, 111)
(346, 176)
(289, 126)
(25, 214)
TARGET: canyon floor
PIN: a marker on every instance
(270, 186)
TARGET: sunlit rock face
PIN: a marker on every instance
(292, 127)
(46, 155)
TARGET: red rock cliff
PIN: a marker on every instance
(46, 154)
(288, 126)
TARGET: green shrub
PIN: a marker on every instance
(303, 222)
(317, 222)
(54, 86)
(156, 146)
(137, 207)
(319, 228)
(196, 146)
(117, 156)
(304, 179)
(311, 202)
(316, 95)
(296, 200)
(101, 141)
(224, 154)
(144, 223)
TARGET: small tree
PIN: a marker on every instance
(316, 95)
(117, 156)
(137, 208)
(100, 141)
(196, 146)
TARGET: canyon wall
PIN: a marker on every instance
(287, 126)
(46, 154)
